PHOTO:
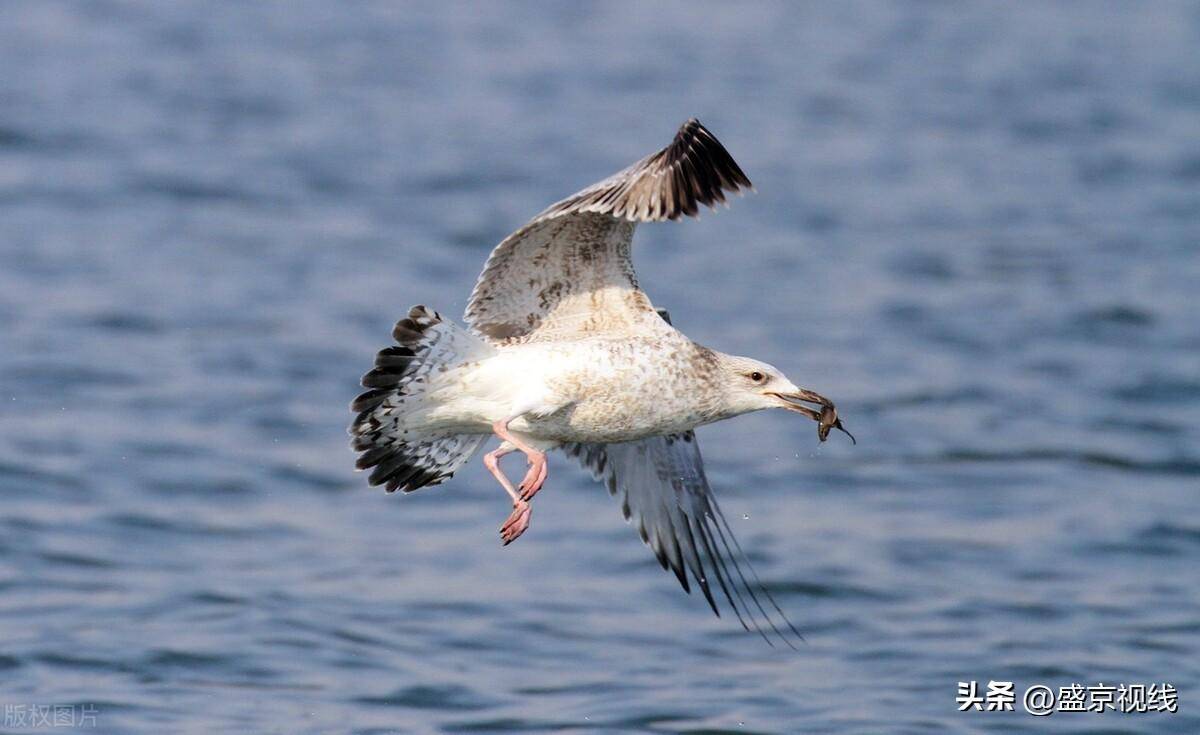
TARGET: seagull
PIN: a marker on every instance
(562, 350)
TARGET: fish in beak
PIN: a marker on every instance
(826, 418)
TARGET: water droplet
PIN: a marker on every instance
(745, 516)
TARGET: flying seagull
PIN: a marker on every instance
(565, 351)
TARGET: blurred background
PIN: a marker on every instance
(975, 228)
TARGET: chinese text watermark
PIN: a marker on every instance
(1041, 700)
(17, 716)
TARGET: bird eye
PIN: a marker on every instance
(757, 377)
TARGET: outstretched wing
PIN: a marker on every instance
(568, 271)
(662, 488)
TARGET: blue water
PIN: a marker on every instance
(976, 228)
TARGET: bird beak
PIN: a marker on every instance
(826, 418)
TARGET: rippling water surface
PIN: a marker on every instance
(976, 228)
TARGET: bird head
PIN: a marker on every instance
(752, 385)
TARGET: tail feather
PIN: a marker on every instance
(399, 455)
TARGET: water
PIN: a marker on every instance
(975, 228)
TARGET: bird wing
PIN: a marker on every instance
(568, 272)
(662, 488)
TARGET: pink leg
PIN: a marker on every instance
(518, 520)
(538, 470)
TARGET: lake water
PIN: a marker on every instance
(976, 228)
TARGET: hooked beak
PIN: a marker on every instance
(826, 419)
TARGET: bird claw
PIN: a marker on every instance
(534, 478)
(517, 523)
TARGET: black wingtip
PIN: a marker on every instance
(694, 170)
(702, 170)
(690, 535)
(720, 523)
